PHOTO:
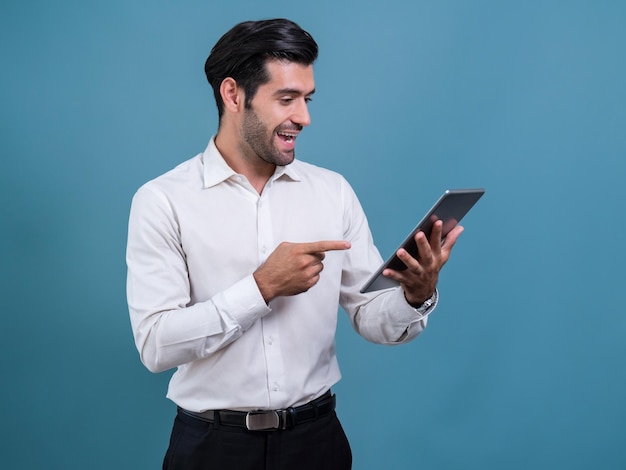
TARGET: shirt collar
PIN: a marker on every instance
(216, 170)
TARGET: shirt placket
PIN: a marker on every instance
(276, 385)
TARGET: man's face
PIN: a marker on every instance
(278, 112)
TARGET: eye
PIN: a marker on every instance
(286, 100)
(308, 99)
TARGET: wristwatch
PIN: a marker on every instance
(427, 304)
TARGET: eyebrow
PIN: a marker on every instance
(293, 91)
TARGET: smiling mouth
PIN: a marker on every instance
(288, 137)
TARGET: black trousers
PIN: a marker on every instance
(316, 445)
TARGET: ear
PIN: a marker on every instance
(232, 95)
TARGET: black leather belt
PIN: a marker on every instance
(265, 420)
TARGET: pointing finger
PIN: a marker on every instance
(325, 245)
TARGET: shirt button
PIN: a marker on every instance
(276, 387)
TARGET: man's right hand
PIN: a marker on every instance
(293, 268)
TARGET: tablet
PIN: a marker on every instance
(450, 208)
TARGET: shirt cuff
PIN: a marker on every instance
(422, 311)
(243, 302)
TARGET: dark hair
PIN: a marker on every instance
(242, 52)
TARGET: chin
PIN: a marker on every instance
(287, 161)
(283, 159)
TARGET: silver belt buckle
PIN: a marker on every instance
(264, 420)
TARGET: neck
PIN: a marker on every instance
(244, 161)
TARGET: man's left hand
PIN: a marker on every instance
(419, 280)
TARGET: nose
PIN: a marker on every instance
(301, 114)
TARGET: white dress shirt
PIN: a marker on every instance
(196, 235)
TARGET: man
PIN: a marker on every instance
(225, 282)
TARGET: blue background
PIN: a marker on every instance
(522, 365)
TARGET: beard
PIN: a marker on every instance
(261, 140)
